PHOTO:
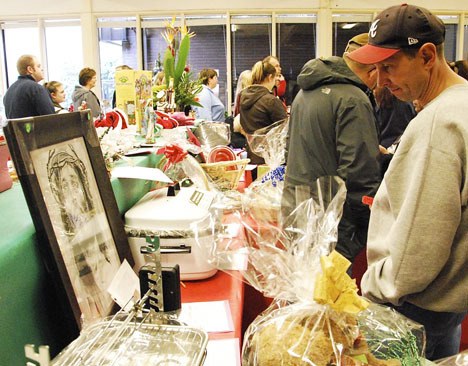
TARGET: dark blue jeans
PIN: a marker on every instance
(443, 330)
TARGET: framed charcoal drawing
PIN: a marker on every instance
(79, 228)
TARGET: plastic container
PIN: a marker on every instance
(5, 180)
(169, 218)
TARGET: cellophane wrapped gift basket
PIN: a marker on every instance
(460, 359)
(263, 196)
(317, 317)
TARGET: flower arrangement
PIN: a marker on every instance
(176, 69)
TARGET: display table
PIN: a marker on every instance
(29, 313)
(221, 286)
(28, 306)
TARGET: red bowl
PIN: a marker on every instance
(221, 153)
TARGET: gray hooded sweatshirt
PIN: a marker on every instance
(333, 132)
(81, 94)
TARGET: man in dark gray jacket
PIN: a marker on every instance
(25, 97)
(333, 132)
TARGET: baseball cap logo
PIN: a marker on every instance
(412, 41)
(373, 28)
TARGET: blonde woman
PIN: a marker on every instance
(57, 94)
(245, 79)
(258, 106)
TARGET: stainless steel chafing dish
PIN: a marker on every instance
(135, 343)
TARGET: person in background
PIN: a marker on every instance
(333, 132)
(417, 247)
(25, 97)
(460, 67)
(57, 94)
(258, 106)
(83, 92)
(213, 108)
(245, 79)
(238, 139)
(393, 115)
(279, 90)
(118, 68)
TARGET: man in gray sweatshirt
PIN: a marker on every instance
(417, 245)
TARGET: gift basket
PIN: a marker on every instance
(263, 197)
(316, 317)
(460, 359)
(225, 175)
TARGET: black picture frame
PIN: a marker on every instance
(80, 231)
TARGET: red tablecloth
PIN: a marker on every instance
(221, 286)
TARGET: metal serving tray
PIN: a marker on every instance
(133, 343)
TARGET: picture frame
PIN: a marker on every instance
(80, 232)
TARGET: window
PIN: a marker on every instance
(345, 27)
(250, 42)
(20, 38)
(296, 44)
(154, 44)
(465, 43)
(64, 38)
(117, 46)
(208, 50)
(451, 29)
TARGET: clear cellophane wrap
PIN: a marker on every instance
(265, 192)
(460, 359)
(316, 317)
(178, 164)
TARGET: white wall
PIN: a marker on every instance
(12, 9)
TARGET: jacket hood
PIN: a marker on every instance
(252, 94)
(79, 91)
(332, 70)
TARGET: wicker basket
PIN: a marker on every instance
(225, 174)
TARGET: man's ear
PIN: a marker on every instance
(428, 52)
(30, 69)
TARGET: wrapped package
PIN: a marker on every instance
(316, 318)
(460, 359)
(178, 165)
(269, 143)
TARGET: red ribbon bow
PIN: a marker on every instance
(174, 153)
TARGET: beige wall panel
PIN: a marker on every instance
(61, 7)
(10, 8)
(179, 5)
(382, 4)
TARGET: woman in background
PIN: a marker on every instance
(279, 90)
(245, 79)
(258, 106)
(83, 92)
(213, 109)
(57, 94)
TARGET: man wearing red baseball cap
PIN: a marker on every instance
(417, 245)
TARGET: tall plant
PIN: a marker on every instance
(175, 64)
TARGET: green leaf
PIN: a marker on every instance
(184, 50)
(168, 65)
